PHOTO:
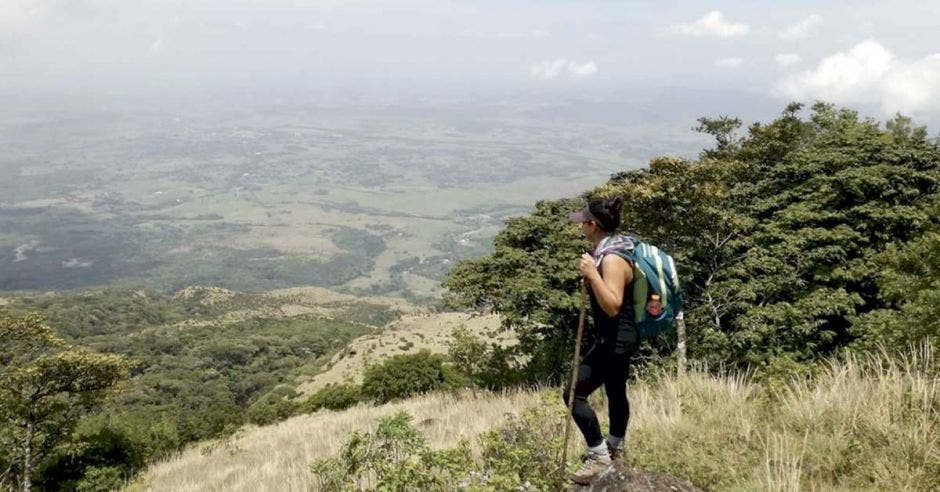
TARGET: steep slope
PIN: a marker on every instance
(862, 423)
(278, 457)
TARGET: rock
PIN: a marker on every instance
(620, 478)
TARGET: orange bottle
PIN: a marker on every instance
(654, 306)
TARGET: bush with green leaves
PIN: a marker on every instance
(520, 455)
(404, 375)
(395, 456)
(523, 453)
(487, 365)
(333, 397)
(101, 479)
(276, 405)
(94, 455)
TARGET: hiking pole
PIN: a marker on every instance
(574, 376)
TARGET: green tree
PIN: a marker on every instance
(722, 128)
(910, 285)
(777, 236)
(531, 279)
(45, 386)
(686, 208)
(826, 204)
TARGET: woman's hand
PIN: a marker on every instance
(587, 267)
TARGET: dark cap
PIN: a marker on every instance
(580, 216)
(604, 212)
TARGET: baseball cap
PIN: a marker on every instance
(580, 216)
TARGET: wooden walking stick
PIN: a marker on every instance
(574, 376)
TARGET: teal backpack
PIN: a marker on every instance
(654, 275)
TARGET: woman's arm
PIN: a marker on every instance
(609, 288)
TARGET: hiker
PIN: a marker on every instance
(608, 276)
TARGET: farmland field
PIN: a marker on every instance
(362, 199)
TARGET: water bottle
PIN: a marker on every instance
(654, 306)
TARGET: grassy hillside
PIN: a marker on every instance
(858, 424)
(406, 335)
(277, 457)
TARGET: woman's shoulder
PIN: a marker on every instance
(616, 258)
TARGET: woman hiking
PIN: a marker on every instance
(608, 275)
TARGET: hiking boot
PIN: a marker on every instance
(594, 465)
(616, 454)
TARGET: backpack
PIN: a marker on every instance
(654, 272)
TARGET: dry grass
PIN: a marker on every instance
(864, 423)
(278, 457)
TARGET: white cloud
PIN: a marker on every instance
(913, 86)
(869, 73)
(551, 69)
(711, 24)
(583, 70)
(732, 62)
(548, 69)
(802, 29)
(787, 59)
(156, 46)
(843, 76)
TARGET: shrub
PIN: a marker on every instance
(403, 375)
(274, 406)
(100, 479)
(394, 457)
(521, 455)
(333, 397)
(96, 458)
(487, 366)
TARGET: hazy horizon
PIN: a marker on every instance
(750, 57)
(255, 144)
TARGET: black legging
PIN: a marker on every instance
(601, 365)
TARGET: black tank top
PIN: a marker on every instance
(617, 333)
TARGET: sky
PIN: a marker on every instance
(879, 55)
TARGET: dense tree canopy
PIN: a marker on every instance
(192, 375)
(783, 238)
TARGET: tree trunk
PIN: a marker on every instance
(680, 349)
(27, 457)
